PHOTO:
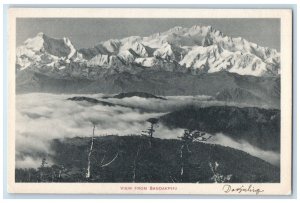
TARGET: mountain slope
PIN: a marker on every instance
(137, 162)
(260, 90)
(259, 127)
(45, 52)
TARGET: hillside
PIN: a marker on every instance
(238, 95)
(131, 159)
(260, 127)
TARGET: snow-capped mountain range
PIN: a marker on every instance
(199, 49)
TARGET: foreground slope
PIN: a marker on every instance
(137, 162)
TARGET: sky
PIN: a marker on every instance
(85, 32)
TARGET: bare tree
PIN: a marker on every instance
(188, 137)
(88, 173)
(134, 164)
(102, 164)
(194, 136)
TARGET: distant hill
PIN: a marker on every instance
(137, 94)
(265, 89)
(238, 95)
(91, 100)
(130, 159)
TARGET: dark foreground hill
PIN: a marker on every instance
(260, 127)
(131, 159)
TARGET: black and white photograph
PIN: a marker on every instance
(162, 101)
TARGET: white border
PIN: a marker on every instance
(283, 188)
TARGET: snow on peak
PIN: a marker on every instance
(198, 47)
(70, 45)
(131, 39)
(134, 46)
(127, 56)
(165, 52)
(175, 29)
(35, 43)
(202, 28)
(112, 45)
(40, 34)
(98, 60)
(196, 27)
(44, 50)
(146, 62)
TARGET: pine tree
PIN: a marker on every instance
(150, 131)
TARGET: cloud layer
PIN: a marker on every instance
(269, 156)
(42, 117)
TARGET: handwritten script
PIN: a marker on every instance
(242, 189)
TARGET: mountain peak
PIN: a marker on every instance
(35, 43)
(198, 27)
(175, 29)
(40, 34)
(44, 50)
(200, 48)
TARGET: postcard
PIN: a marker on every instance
(150, 101)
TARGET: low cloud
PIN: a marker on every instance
(172, 103)
(28, 162)
(269, 156)
(42, 117)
